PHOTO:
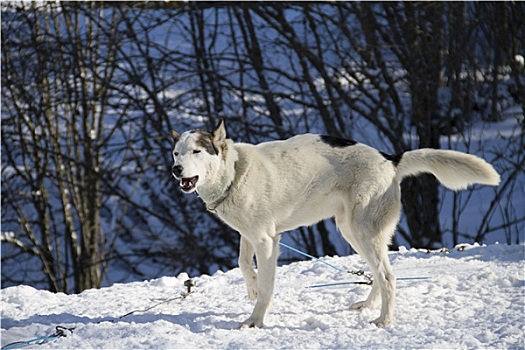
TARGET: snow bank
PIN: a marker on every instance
(473, 299)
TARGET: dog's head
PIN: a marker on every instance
(197, 156)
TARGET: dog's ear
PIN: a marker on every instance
(219, 134)
(175, 136)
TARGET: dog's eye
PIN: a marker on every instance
(196, 151)
(175, 153)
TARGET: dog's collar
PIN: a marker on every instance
(213, 207)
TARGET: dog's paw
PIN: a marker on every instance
(250, 323)
(382, 322)
(359, 306)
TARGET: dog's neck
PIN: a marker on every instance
(215, 193)
(212, 205)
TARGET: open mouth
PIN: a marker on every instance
(187, 184)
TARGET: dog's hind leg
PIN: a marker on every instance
(372, 301)
(246, 254)
(369, 230)
(384, 284)
(354, 238)
(374, 297)
(266, 252)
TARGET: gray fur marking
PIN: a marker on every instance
(205, 140)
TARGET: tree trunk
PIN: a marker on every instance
(424, 32)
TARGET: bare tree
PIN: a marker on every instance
(60, 114)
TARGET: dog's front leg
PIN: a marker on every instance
(266, 252)
(246, 253)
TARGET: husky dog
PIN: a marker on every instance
(262, 190)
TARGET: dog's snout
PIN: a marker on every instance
(176, 170)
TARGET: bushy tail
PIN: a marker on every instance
(455, 170)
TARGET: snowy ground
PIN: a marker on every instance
(473, 299)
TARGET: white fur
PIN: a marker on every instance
(262, 190)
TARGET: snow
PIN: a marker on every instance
(520, 61)
(474, 298)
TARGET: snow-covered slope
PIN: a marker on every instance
(474, 298)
